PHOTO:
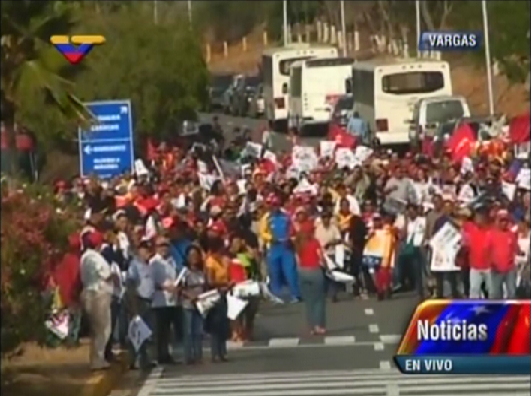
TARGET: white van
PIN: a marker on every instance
(276, 63)
(315, 86)
(431, 112)
(386, 93)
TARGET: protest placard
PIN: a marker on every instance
(246, 289)
(304, 158)
(508, 190)
(253, 150)
(445, 245)
(345, 158)
(206, 181)
(202, 167)
(363, 153)
(207, 300)
(138, 332)
(235, 306)
(58, 324)
(524, 179)
(327, 148)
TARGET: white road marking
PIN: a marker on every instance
(391, 338)
(374, 329)
(339, 340)
(379, 346)
(385, 365)
(369, 311)
(283, 342)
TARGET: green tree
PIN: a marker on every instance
(32, 67)
(160, 67)
(508, 34)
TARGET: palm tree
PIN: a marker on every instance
(30, 63)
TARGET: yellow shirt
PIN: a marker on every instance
(219, 271)
(264, 233)
(343, 221)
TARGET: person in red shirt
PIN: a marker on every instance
(503, 248)
(311, 278)
(476, 243)
(67, 278)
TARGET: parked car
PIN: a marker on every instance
(257, 104)
(428, 113)
(242, 94)
(342, 110)
(216, 90)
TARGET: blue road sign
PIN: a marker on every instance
(106, 150)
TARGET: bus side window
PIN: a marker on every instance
(285, 88)
(348, 85)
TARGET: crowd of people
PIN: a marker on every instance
(189, 208)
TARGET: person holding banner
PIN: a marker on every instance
(139, 292)
(193, 285)
(328, 235)
(217, 277)
(310, 258)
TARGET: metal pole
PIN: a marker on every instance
(155, 12)
(487, 55)
(285, 6)
(190, 11)
(417, 12)
(343, 28)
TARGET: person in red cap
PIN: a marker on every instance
(503, 249)
(97, 281)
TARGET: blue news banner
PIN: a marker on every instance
(450, 41)
(106, 150)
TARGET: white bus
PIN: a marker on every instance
(314, 88)
(385, 93)
(276, 65)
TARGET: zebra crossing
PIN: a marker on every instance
(373, 382)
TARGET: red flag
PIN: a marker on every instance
(519, 129)
(519, 339)
(151, 151)
(461, 143)
(341, 136)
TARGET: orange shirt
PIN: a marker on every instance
(218, 269)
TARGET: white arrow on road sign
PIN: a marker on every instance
(123, 110)
(87, 150)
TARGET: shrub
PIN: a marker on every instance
(33, 236)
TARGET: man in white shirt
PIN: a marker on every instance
(164, 299)
(97, 280)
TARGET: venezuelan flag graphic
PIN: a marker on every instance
(75, 48)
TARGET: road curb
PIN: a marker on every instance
(102, 383)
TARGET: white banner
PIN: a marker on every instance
(445, 245)
(345, 158)
(138, 332)
(327, 148)
(304, 158)
(207, 300)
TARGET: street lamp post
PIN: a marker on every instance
(487, 55)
